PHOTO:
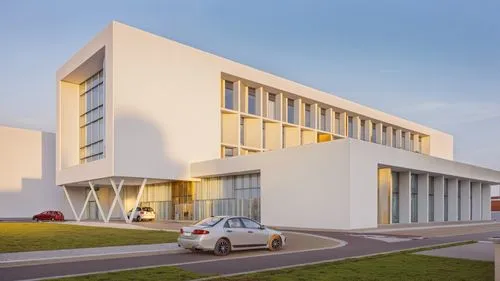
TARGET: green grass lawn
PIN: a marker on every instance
(21, 237)
(399, 266)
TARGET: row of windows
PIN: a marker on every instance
(92, 118)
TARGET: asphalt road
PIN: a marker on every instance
(234, 263)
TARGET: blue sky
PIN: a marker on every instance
(433, 62)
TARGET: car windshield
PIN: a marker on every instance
(209, 221)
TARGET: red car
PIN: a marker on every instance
(49, 216)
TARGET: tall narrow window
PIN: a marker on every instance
(446, 199)
(384, 135)
(412, 138)
(252, 101)
(403, 140)
(264, 134)
(307, 117)
(322, 119)
(431, 198)
(374, 132)
(419, 144)
(271, 106)
(228, 95)
(350, 127)
(337, 123)
(395, 197)
(242, 131)
(414, 198)
(459, 200)
(228, 152)
(92, 118)
(363, 130)
(394, 142)
(291, 111)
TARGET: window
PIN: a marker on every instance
(242, 131)
(459, 200)
(252, 101)
(250, 223)
(228, 95)
(322, 119)
(228, 152)
(394, 138)
(92, 118)
(291, 111)
(446, 200)
(271, 106)
(233, 223)
(337, 123)
(264, 134)
(374, 132)
(419, 144)
(363, 130)
(431, 198)
(395, 197)
(412, 138)
(414, 198)
(350, 127)
(403, 140)
(307, 116)
(384, 135)
(209, 221)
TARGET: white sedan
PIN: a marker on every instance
(223, 234)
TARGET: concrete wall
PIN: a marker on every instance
(27, 174)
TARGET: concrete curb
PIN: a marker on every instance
(75, 258)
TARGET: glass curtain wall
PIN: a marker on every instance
(414, 198)
(92, 118)
(431, 198)
(395, 197)
(232, 195)
(158, 197)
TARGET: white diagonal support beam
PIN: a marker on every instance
(97, 201)
(117, 199)
(139, 195)
(71, 204)
(84, 205)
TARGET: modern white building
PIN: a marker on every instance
(192, 134)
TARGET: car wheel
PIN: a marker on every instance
(138, 218)
(276, 243)
(52, 219)
(36, 220)
(222, 247)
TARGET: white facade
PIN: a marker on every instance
(171, 112)
(27, 174)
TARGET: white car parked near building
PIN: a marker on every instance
(143, 213)
(223, 234)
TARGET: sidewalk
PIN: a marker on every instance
(41, 257)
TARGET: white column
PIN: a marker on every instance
(405, 197)
(476, 201)
(439, 198)
(415, 143)
(71, 204)
(368, 130)
(343, 123)
(97, 202)
(423, 198)
(465, 200)
(356, 122)
(389, 136)
(139, 195)
(399, 135)
(486, 202)
(453, 200)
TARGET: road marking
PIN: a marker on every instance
(386, 238)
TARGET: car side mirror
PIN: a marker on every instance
(262, 227)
